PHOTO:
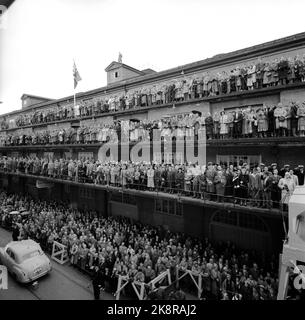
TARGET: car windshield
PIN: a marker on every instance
(29, 255)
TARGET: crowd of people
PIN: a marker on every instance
(265, 121)
(117, 246)
(259, 185)
(244, 77)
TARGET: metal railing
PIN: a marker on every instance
(176, 190)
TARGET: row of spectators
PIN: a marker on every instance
(260, 186)
(264, 121)
(141, 252)
(254, 76)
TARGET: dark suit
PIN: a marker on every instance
(237, 125)
(96, 282)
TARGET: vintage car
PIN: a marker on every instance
(25, 260)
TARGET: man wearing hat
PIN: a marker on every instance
(96, 283)
(210, 176)
(285, 169)
(180, 180)
(272, 167)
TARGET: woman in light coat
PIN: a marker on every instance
(150, 178)
(223, 124)
(287, 185)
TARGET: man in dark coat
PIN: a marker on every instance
(180, 180)
(171, 178)
(209, 124)
(237, 124)
(285, 169)
(271, 121)
(244, 182)
(157, 177)
(96, 283)
(299, 172)
(16, 232)
(294, 119)
(275, 190)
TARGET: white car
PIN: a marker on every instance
(25, 260)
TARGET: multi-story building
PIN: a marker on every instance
(249, 227)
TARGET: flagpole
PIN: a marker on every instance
(74, 87)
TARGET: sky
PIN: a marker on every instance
(40, 38)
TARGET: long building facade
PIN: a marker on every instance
(132, 96)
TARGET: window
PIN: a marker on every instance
(123, 198)
(116, 74)
(171, 207)
(252, 160)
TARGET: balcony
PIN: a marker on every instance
(213, 99)
(213, 143)
(225, 203)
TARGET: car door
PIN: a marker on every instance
(10, 259)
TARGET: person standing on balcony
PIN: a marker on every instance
(210, 174)
(207, 84)
(244, 185)
(180, 181)
(301, 119)
(293, 119)
(223, 125)
(259, 67)
(237, 78)
(280, 115)
(262, 122)
(216, 125)
(254, 182)
(209, 126)
(150, 178)
(275, 190)
(283, 69)
(230, 124)
(287, 185)
(267, 188)
(237, 124)
(220, 183)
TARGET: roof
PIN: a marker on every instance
(22, 247)
(286, 43)
(25, 95)
(149, 71)
(115, 65)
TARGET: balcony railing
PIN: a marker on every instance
(177, 192)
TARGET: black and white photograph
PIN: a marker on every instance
(152, 152)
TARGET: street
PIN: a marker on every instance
(62, 283)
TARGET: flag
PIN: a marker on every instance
(120, 57)
(76, 75)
